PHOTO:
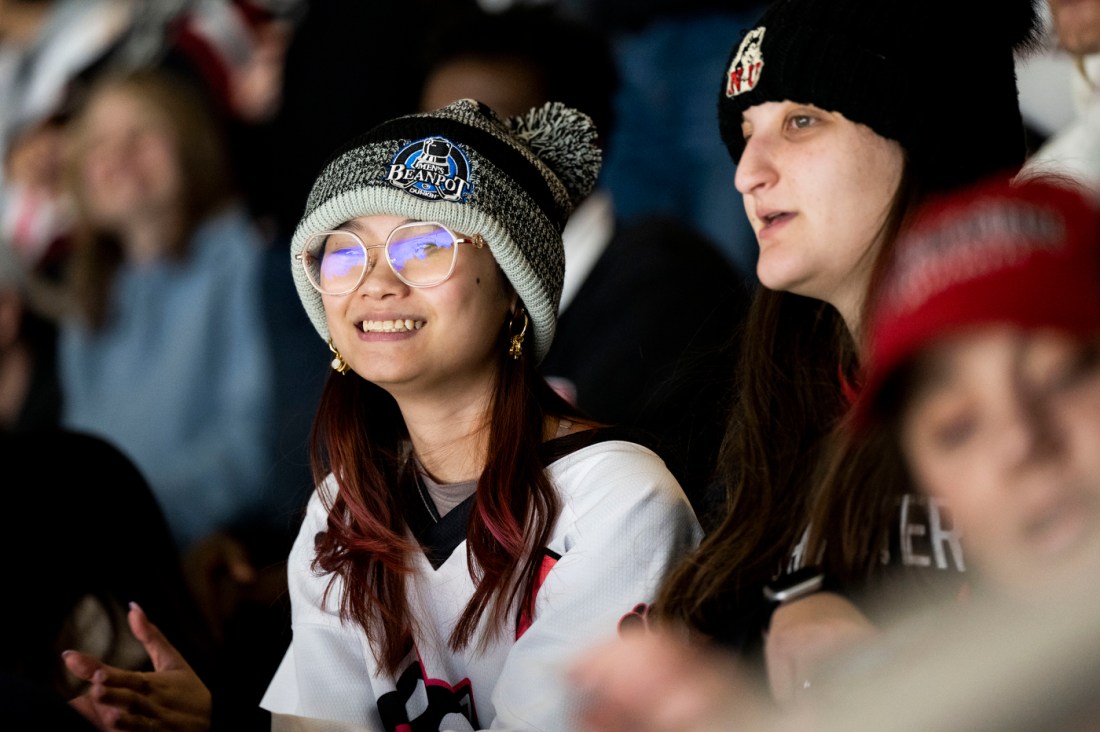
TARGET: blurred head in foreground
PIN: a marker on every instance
(984, 360)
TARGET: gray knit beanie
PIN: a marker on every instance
(514, 181)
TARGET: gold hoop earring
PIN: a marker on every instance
(338, 364)
(515, 347)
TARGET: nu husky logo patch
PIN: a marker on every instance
(747, 65)
(434, 168)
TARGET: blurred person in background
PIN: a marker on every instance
(44, 45)
(1075, 149)
(163, 353)
(166, 351)
(235, 51)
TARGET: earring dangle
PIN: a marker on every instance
(515, 348)
(338, 364)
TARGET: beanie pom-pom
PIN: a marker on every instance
(565, 139)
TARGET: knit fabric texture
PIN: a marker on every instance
(942, 84)
(1024, 254)
(515, 181)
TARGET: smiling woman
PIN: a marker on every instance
(470, 531)
(455, 528)
(429, 317)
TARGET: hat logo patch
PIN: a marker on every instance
(747, 65)
(432, 167)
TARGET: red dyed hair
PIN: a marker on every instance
(360, 437)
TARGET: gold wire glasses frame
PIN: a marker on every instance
(420, 254)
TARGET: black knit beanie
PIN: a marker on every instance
(939, 81)
(515, 181)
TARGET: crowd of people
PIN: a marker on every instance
(391, 401)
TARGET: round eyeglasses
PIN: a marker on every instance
(420, 254)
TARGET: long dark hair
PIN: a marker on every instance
(783, 426)
(360, 437)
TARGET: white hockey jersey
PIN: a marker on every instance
(624, 522)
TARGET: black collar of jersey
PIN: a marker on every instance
(439, 535)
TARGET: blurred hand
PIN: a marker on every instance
(652, 681)
(171, 697)
(807, 632)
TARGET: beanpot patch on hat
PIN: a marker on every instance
(515, 181)
(1025, 254)
(432, 168)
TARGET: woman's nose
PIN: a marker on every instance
(1029, 431)
(378, 279)
(756, 167)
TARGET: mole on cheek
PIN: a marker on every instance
(477, 280)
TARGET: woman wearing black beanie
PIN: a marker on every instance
(843, 117)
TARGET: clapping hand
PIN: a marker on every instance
(170, 697)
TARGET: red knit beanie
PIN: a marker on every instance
(1025, 254)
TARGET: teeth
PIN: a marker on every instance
(392, 326)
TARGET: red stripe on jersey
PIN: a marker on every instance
(549, 559)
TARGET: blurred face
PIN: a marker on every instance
(409, 340)
(128, 165)
(817, 188)
(1004, 427)
(1077, 24)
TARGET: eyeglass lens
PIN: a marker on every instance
(420, 255)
